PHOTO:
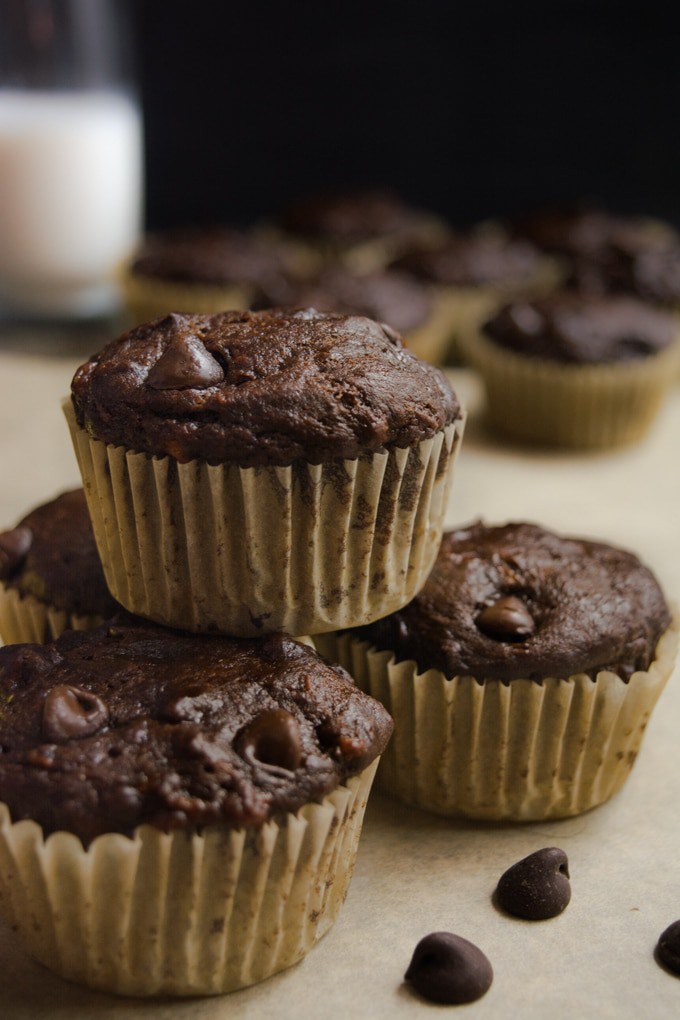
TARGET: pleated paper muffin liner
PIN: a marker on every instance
(24, 618)
(148, 297)
(580, 406)
(521, 751)
(182, 913)
(247, 551)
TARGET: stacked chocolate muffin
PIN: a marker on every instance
(246, 474)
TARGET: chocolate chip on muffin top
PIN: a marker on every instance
(519, 601)
(576, 328)
(52, 555)
(131, 723)
(256, 388)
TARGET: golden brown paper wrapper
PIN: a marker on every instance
(248, 551)
(182, 913)
(522, 751)
(24, 618)
(580, 406)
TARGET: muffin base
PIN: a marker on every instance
(182, 913)
(521, 751)
(24, 618)
(579, 406)
(247, 551)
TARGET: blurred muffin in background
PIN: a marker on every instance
(200, 269)
(51, 578)
(473, 274)
(365, 230)
(575, 370)
(397, 299)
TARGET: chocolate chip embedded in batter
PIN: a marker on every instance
(14, 546)
(70, 712)
(185, 364)
(448, 969)
(273, 739)
(537, 887)
(508, 619)
(668, 948)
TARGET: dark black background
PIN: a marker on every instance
(473, 109)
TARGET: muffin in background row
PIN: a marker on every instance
(179, 814)
(51, 577)
(575, 370)
(520, 679)
(253, 472)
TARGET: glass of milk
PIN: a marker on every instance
(70, 157)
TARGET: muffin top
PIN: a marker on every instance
(209, 255)
(392, 297)
(473, 260)
(518, 601)
(579, 328)
(583, 230)
(353, 217)
(131, 723)
(255, 388)
(649, 273)
(51, 554)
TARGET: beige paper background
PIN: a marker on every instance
(415, 872)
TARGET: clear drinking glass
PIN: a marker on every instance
(70, 156)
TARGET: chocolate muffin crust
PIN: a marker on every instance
(132, 723)
(392, 297)
(255, 388)
(580, 329)
(52, 555)
(355, 216)
(472, 261)
(517, 601)
(209, 255)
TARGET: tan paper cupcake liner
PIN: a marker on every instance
(247, 551)
(580, 406)
(24, 618)
(182, 913)
(147, 297)
(522, 751)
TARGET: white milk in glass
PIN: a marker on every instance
(70, 198)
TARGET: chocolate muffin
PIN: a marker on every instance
(521, 678)
(51, 577)
(404, 303)
(364, 230)
(201, 269)
(473, 274)
(575, 370)
(237, 773)
(271, 470)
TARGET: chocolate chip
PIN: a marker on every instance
(536, 887)
(273, 739)
(13, 548)
(447, 968)
(185, 364)
(71, 712)
(508, 619)
(668, 948)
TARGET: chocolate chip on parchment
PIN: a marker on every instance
(448, 969)
(537, 887)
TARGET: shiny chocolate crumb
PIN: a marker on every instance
(448, 969)
(273, 740)
(668, 948)
(537, 887)
(70, 712)
(508, 619)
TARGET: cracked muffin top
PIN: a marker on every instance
(131, 723)
(261, 388)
